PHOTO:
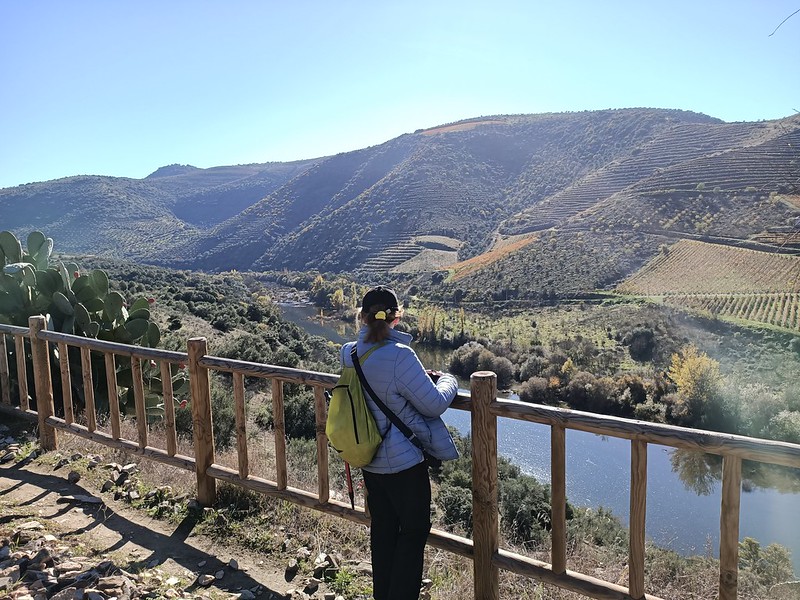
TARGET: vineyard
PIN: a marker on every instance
(780, 310)
(725, 281)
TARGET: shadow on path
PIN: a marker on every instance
(48, 499)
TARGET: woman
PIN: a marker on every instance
(398, 487)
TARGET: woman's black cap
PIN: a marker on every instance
(383, 297)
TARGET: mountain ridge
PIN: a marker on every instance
(472, 183)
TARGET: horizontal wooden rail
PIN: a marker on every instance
(114, 347)
(182, 462)
(569, 580)
(251, 369)
(14, 330)
(778, 453)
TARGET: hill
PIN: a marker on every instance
(594, 194)
(137, 218)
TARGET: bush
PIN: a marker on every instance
(785, 426)
(598, 527)
(504, 370)
(464, 360)
(536, 391)
(587, 392)
(298, 410)
(455, 503)
(534, 366)
(641, 344)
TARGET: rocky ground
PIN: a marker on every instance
(62, 539)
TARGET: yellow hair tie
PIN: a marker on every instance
(380, 315)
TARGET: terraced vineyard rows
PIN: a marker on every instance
(691, 267)
(778, 309)
(684, 144)
(731, 282)
(763, 167)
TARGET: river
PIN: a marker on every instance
(598, 474)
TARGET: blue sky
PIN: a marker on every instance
(122, 87)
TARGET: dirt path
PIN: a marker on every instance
(112, 530)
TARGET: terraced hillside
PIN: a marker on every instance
(633, 176)
(459, 181)
(732, 282)
(677, 156)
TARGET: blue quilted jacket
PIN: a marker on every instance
(396, 374)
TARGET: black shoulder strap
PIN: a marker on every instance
(404, 429)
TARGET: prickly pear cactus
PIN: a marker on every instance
(79, 304)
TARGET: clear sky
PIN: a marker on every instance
(122, 87)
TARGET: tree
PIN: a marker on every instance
(699, 386)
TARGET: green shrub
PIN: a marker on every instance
(455, 502)
(464, 360)
(298, 410)
(598, 527)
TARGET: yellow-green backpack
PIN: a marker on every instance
(350, 427)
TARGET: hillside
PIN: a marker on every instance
(137, 218)
(600, 192)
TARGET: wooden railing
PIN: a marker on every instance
(482, 402)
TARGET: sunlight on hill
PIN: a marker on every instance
(500, 250)
(460, 127)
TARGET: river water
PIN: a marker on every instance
(598, 474)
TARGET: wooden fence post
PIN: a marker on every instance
(485, 519)
(638, 514)
(5, 377)
(43, 382)
(729, 527)
(558, 498)
(202, 423)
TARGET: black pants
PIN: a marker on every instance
(400, 507)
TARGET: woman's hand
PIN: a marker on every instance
(434, 375)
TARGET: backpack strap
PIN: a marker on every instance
(396, 421)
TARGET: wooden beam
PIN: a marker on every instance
(114, 347)
(88, 388)
(42, 383)
(113, 395)
(5, 377)
(138, 397)
(279, 425)
(767, 451)
(66, 382)
(558, 498)
(169, 408)
(586, 585)
(202, 425)
(320, 414)
(486, 525)
(22, 372)
(729, 528)
(241, 419)
(636, 547)
(187, 463)
(287, 374)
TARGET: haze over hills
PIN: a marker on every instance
(567, 202)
